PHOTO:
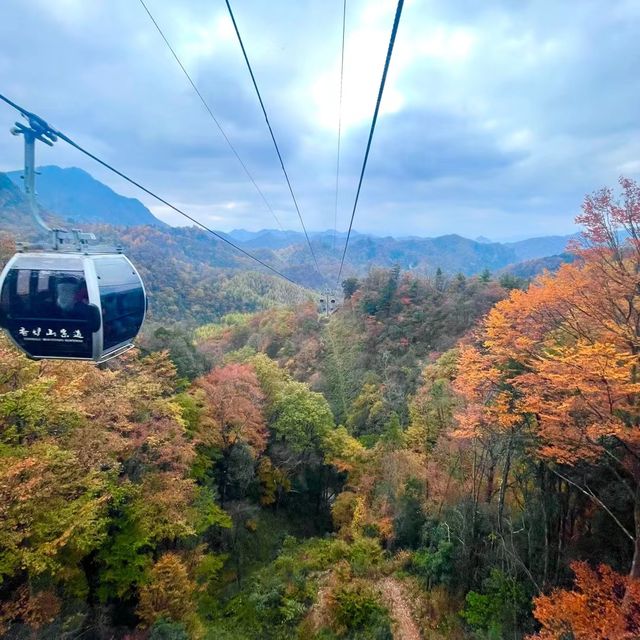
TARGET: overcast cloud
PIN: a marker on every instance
(497, 118)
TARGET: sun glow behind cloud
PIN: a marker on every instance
(510, 110)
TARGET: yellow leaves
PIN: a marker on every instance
(477, 374)
(168, 594)
(88, 509)
(163, 507)
(589, 366)
(342, 450)
(385, 527)
(71, 379)
(359, 516)
(517, 328)
(48, 504)
(417, 437)
(581, 394)
(15, 368)
(470, 422)
(273, 481)
(342, 512)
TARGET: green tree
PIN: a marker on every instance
(369, 413)
(500, 609)
(189, 362)
(411, 518)
(53, 512)
(432, 407)
(508, 281)
(301, 417)
(349, 287)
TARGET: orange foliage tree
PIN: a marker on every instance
(233, 404)
(604, 606)
(561, 359)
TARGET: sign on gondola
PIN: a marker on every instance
(55, 338)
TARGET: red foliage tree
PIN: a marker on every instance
(233, 404)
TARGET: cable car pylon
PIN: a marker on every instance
(328, 302)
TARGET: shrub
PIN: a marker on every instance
(410, 520)
(356, 609)
(435, 566)
(499, 609)
(365, 554)
(164, 630)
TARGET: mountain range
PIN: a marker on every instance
(73, 197)
(76, 197)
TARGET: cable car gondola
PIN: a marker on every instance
(85, 306)
(76, 300)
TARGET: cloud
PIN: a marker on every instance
(497, 117)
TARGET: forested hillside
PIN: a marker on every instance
(367, 358)
(444, 457)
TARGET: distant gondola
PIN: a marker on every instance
(66, 305)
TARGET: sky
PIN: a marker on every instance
(497, 117)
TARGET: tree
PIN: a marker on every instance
(369, 414)
(561, 359)
(301, 418)
(233, 403)
(440, 281)
(94, 481)
(233, 414)
(603, 606)
(410, 519)
(349, 287)
(432, 407)
(509, 281)
(51, 511)
(168, 593)
(189, 362)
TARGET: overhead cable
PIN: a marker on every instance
(392, 40)
(335, 213)
(68, 140)
(211, 114)
(273, 138)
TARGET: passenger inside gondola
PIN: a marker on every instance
(71, 298)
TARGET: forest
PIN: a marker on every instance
(445, 457)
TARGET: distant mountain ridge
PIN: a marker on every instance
(14, 210)
(452, 253)
(75, 196)
(534, 248)
(72, 196)
(278, 239)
